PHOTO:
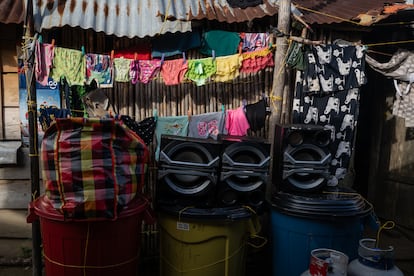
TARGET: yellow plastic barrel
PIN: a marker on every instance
(205, 242)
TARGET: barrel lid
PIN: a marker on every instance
(224, 214)
(330, 203)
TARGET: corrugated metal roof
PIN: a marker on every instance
(129, 18)
(337, 11)
(215, 10)
(11, 11)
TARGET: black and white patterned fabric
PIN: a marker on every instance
(334, 106)
(331, 68)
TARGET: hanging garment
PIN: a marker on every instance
(296, 56)
(404, 105)
(134, 71)
(145, 128)
(148, 69)
(171, 44)
(99, 68)
(257, 60)
(228, 68)
(256, 114)
(70, 64)
(223, 43)
(173, 71)
(401, 69)
(138, 52)
(121, 69)
(207, 125)
(44, 58)
(254, 41)
(236, 122)
(200, 70)
(330, 68)
(170, 125)
(337, 111)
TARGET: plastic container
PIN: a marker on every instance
(373, 261)
(327, 262)
(204, 242)
(101, 247)
(301, 223)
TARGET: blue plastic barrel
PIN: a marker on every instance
(301, 223)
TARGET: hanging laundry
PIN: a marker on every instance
(121, 69)
(236, 122)
(44, 57)
(337, 111)
(296, 56)
(148, 69)
(228, 68)
(256, 114)
(145, 129)
(70, 64)
(257, 60)
(200, 70)
(171, 44)
(99, 68)
(173, 71)
(138, 52)
(171, 125)
(223, 43)
(254, 41)
(330, 68)
(400, 69)
(134, 71)
(207, 125)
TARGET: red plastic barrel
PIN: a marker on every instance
(85, 247)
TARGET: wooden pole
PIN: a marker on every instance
(279, 76)
(29, 39)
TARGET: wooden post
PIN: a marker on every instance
(279, 77)
(33, 135)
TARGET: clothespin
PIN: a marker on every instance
(213, 53)
(135, 56)
(112, 54)
(40, 39)
(53, 43)
(184, 58)
(244, 103)
(189, 114)
(223, 108)
(162, 58)
(83, 50)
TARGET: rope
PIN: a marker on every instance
(203, 266)
(388, 225)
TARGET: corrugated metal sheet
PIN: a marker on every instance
(130, 18)
(215, 10)
(335, 11)
(11, 11)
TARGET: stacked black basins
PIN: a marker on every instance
(205, 173)
(306, 213)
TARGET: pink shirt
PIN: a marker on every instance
(236, 122)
